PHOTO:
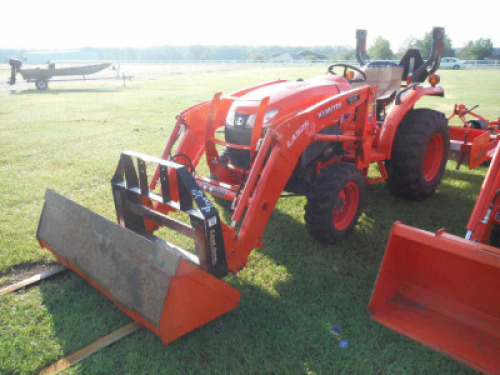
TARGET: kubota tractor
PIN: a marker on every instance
(315, 137)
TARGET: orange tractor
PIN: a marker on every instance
(316, 137)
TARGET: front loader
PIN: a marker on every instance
(441, 289)
(316, 137)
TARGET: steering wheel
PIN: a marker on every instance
(332, 67)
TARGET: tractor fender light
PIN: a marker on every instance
(434, 79)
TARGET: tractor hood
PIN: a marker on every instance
(284, 98)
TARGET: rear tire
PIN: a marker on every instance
(419, 154)
(334, 202)
(41, 84)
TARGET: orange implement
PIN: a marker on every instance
(441, 290)
(472, 146)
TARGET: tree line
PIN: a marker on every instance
(191, 52)
(472, 50)
(380, 49)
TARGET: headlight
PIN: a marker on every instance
(241, 120)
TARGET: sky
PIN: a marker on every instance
(56, 24)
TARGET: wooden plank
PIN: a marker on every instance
(91, 349)
(32, 280)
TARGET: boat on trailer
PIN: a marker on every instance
(42, 74)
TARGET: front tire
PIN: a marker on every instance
(419, 154)
(334, 202)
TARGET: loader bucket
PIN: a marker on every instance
(157, 284)
(443, 291)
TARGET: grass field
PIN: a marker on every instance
(70, 137)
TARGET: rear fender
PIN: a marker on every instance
(406, 100)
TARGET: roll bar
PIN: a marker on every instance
(429, 67)
(361, 46)
(432, 63)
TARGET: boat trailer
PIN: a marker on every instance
(42, 75)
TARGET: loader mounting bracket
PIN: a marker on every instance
(137, 207)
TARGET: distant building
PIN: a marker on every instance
(308, 54)
(41, 57)
(284, 57)
(300, 56)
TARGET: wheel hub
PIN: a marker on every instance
(346, 206)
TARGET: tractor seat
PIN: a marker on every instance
(386, 76)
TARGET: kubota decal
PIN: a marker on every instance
(329, 110)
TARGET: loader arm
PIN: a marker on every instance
(286, 141)
(487, 204)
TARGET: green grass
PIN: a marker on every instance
(70, 137)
